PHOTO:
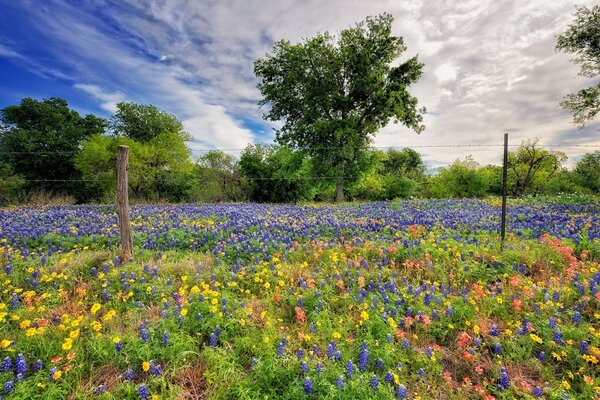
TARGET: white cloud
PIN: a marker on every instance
(489, 66)
(109, 100)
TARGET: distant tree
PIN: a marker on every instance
(493, 176)
(392, 174)
(334, 94)
(564, 182)
(406, 162)
(587, 171)
(463, 178)
(583, 39)
(276, 174)
(143, 122)
(219, 178)
(39, 140)
(160, 169)
(531, 167)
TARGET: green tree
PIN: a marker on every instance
(219, 178)
(39, 140)
(406, 162)
(389, 175)
(143, 122)
(530, 167)
(334, 94)
(582, 38)
(462, 179)
(276, 174)
(587, 171)
(160, 169)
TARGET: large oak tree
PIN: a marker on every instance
(334, 93)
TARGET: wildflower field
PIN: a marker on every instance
(242, 301)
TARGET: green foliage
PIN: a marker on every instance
(159, 169)
(144, 122)
(219, 178)
(530, 168)
(587, 171)
(334, 94)
(563, 182)
(462, 179)
(39, 140)
(583, 39)
(276, 174)
(11, 185)
(406, 162)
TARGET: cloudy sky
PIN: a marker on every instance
(490, 65)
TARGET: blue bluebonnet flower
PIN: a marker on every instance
(421, 372)
(9, 386)
(557, 338)
(143, 392)
(494, 330)
(318, 368)
(14, 301)
(405, 343)
(20, 365)
(144, 335)
(504, 381)
(212, 340)
(340, 382)
(155, 369)
(308, 387)
(374, 382)
(497, 348)
(337, 356)
(401, 391)
(304, 367)
(363, 358)
(39, 364)
(538, 392)
(6, 364)
(101, 389)
(331, 350)
(165, 338)
(128, 375)
(280, 349)
(577, 317)
(379, 364)
(541, 356)
(51, 373)
(349, 368)
(388, 378)
(300, 354)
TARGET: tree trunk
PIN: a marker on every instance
(339, 187)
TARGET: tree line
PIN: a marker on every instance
(331, 94)
(47, 147)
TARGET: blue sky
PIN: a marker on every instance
(490, 66)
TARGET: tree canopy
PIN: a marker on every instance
(334, 93)
(582, 38)
(143, 122)
(40, 139)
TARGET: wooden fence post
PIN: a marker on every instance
(504, 190)
(123, 203)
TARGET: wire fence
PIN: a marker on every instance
(225, 178)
